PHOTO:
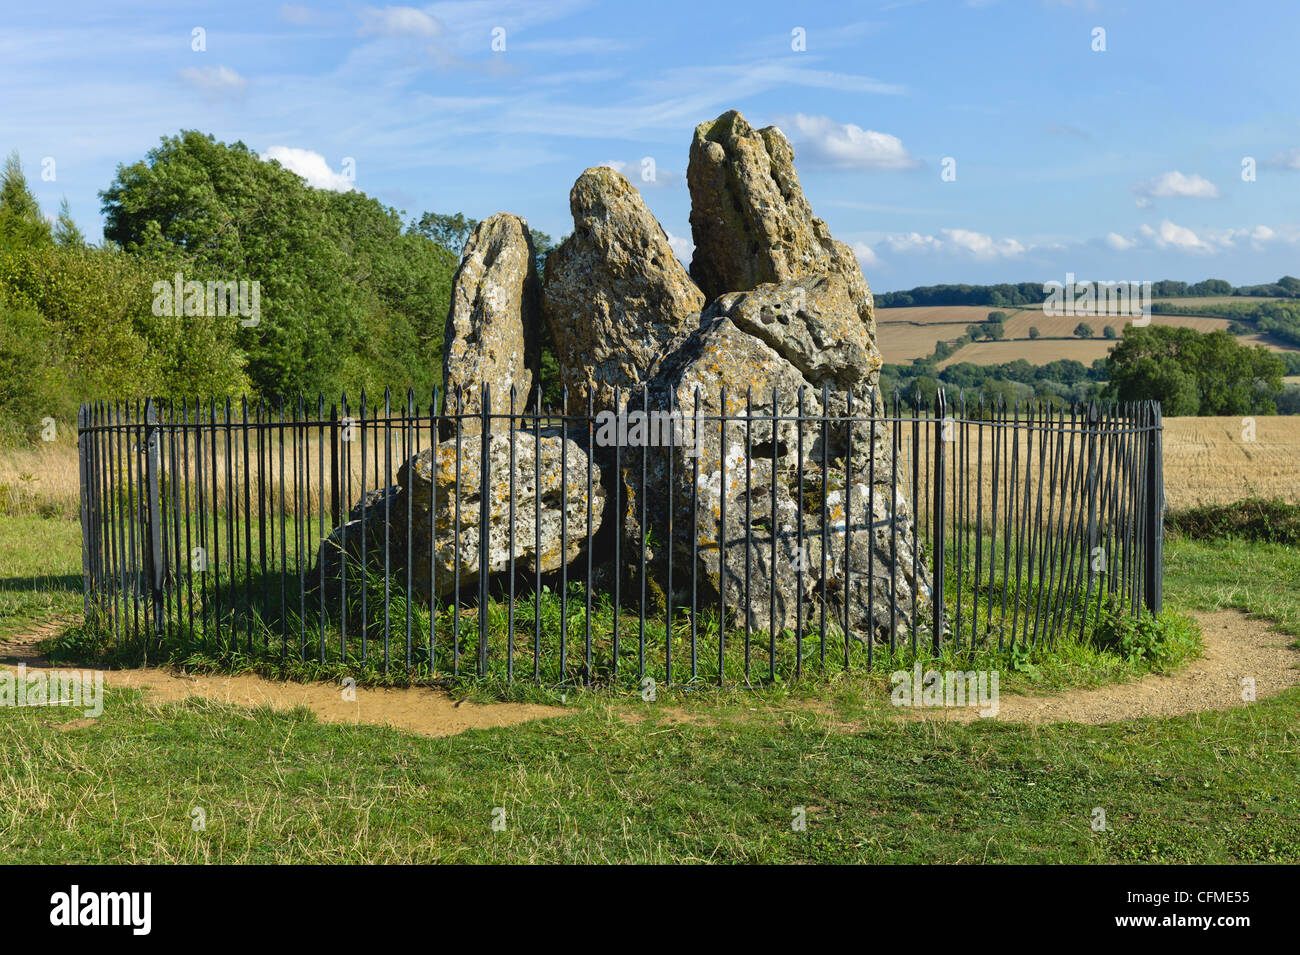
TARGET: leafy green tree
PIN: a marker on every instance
(66, 233)
(21, 223)
(347, 300)
(451, 231)
(1033, 331)
(995, 331)
(1083, 330)
(1193, 373)
(1109, 332)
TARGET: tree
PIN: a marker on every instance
(996, 331)
(1083, 330)
(451, 231)
(21, 223)
(1193, 373)
(347, 299)
(66, 234)
(1033, 331)
(996, 317)
(1109, 332)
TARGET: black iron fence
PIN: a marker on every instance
(514, 541)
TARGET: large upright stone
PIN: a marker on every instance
(615, 296)
(492, 325)
(749, 218)
(762, 509)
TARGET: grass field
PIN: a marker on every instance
(907, 333)
(696, 777)
(701, 775)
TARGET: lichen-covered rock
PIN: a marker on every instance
(445, 526)
(615, 297)
(750, 221)
(810, 508)
(550, 494)
(492, 325)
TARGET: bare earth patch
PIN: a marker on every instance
(423, 710)
(1236, 645)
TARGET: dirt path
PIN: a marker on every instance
(1236, 647)
(423, 710)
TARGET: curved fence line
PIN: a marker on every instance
(741, 544)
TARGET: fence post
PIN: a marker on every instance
(484, 523)
(84, 478)
(153, 488)
(336, 503)
(1155, 520)
(936, 574)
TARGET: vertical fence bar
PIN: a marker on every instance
(938, 523)
(157, 567)
(1155, 512)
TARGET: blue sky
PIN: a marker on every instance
(1122, 164)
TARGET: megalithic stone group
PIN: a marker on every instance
(773, 321)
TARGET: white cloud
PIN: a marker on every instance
(866, 257)
(214, 80)
(399, 22)
(682, 247)
(1174, 185)
(1174, 236)
(845, 145)
(963, 243)
(1168, 235)
(311, 166)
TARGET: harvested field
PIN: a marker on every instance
(1036, 352)
(1209, 460)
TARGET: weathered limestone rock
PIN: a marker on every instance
(749, 218)
(491, 333)
(616, 298)
(550, 479)
(549, 489)
(798, 494)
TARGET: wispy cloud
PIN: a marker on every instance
(1174, 185)
(844, 145)
(214, 81)
(958, 242)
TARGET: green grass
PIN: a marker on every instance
(40, 571)
(593, 787)
(700, 775)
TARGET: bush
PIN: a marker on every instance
(31, 386)
(1145, 640)
(1256, 519)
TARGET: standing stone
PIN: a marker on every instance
(749, 218)
(492, 325)
(616, 298)
(824, 514)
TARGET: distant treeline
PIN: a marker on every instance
(1279, 319)
(1031, 293)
